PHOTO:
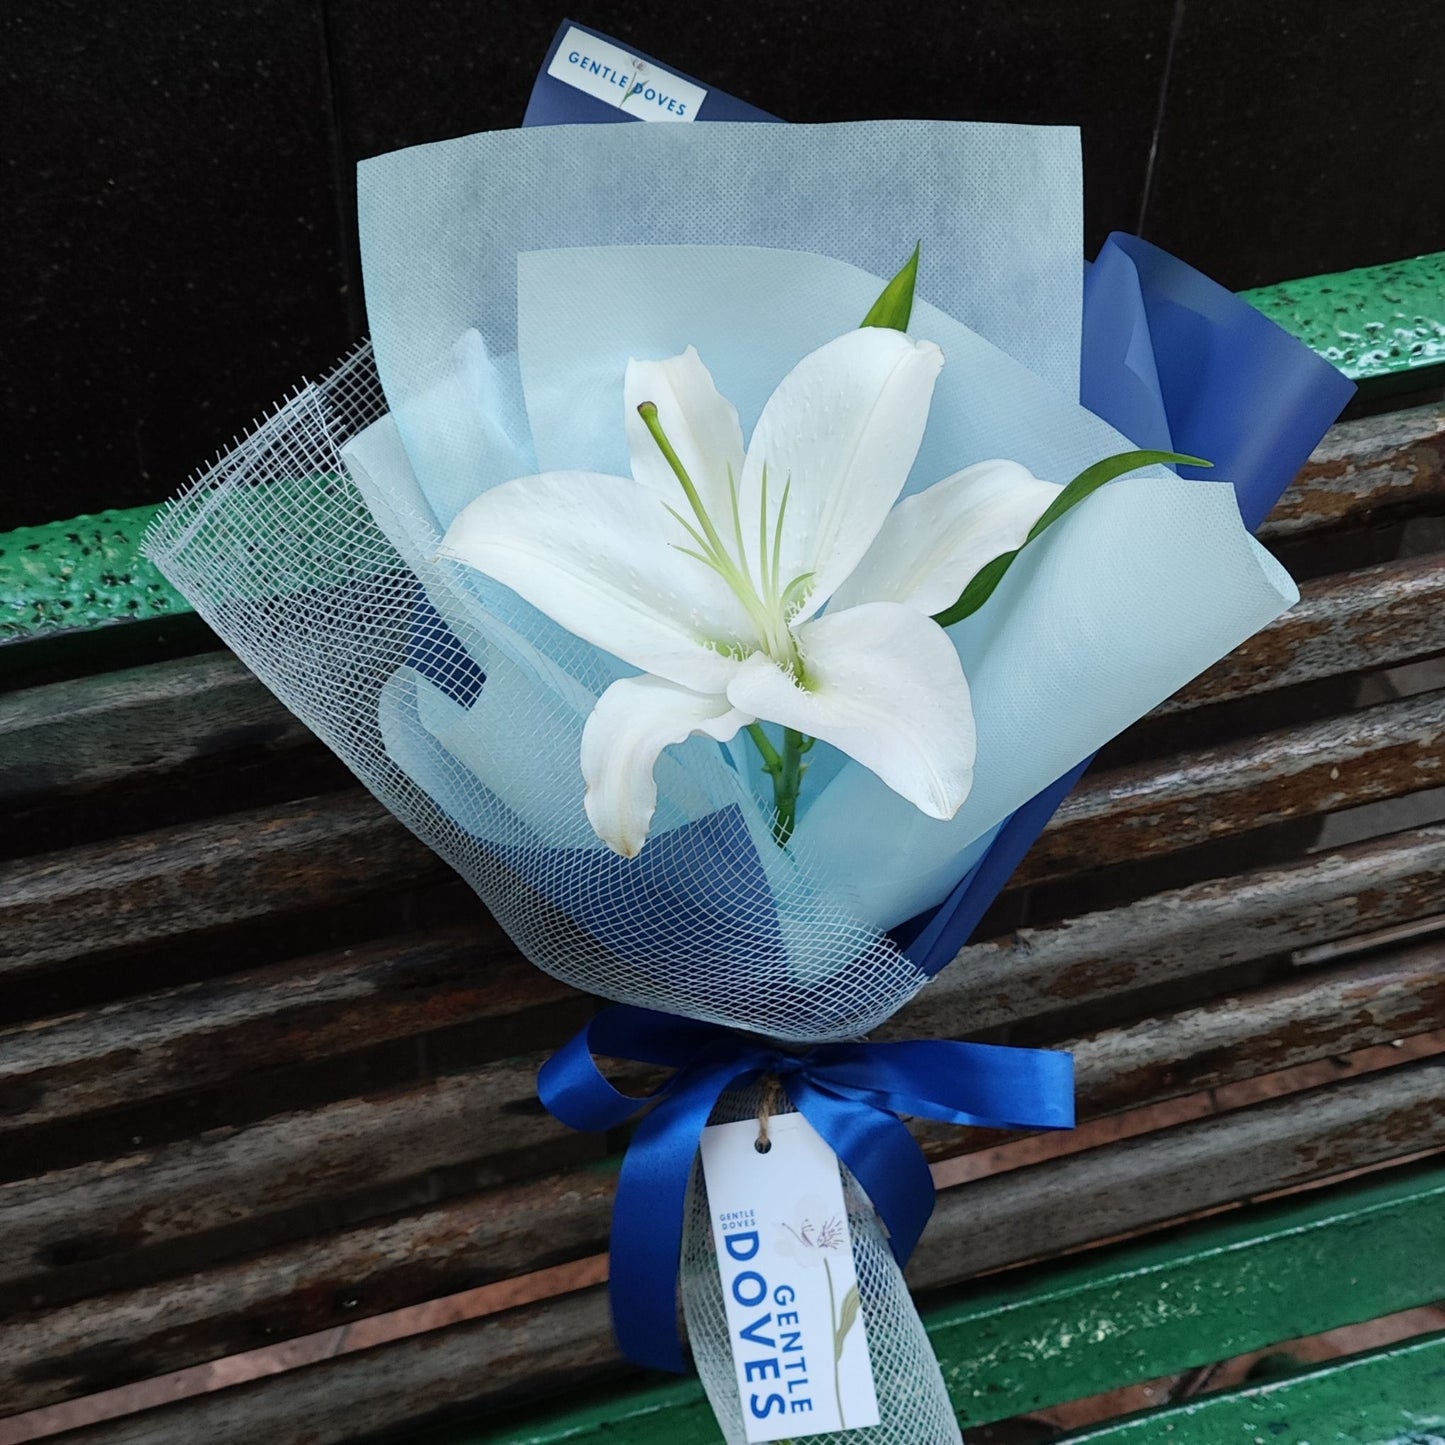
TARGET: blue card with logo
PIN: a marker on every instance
(589, 79)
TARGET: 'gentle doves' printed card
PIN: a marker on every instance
(784, 1249)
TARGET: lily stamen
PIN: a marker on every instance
(769, 612)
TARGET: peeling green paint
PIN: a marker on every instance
(1394, 1396)
(81, 574)
(1378, 321)
(1249, 1281)
(1233, 1285)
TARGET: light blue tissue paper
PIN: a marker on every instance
(376, 461)
(466, 429)
(1115, 608)
(1119, 605)
(996, 208)
(753, 314)
(509, 280)
(1122, 603)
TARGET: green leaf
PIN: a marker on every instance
(894, 305)
(846, 1317)
(981, 586)
(978, 591)
(1092, 478)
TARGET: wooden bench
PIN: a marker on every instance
(267, 1069)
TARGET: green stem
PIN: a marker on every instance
(837, 1359)
(772, 761)
(788, 783)
(786, 769)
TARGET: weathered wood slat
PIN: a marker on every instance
(189, 1037)
(476, 1239)
(1138, 1182)
(298, 1288)
(179, 881)
(1328, 1015)
(127, 726)
(110, 1209)
(1365, 468)
(380, 1149)
(1139, 812)
(1181, 934)
(194, 879)
(140, 724)
(192, 1037)
(1376, 617)
(1036, 1212)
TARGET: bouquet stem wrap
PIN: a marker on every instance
(852, 1095)
(913, 1401)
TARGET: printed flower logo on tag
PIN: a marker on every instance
(811, 1234)
(809, 1239)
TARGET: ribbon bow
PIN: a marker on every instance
(851, 1093)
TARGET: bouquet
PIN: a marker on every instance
(721, 557)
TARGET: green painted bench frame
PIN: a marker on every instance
(1256, 1277)
(1259, 1277)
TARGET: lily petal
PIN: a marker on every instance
(934, 543)
(698, 420)
(633, 721)
(884, 685)
(840, 433)
(600, 555)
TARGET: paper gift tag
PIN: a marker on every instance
(636, 86)
(780, 1227)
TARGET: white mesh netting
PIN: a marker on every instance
(913, 1402)
(462, 708)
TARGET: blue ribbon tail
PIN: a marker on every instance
(648, 1219)
(854, 1093)
(986, 1085)
(574, 1089)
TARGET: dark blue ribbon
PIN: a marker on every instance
(851, 1093)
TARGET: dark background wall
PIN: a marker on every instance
(180, 240)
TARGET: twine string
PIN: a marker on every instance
(767, 1107)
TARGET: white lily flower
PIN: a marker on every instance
(710, 567)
